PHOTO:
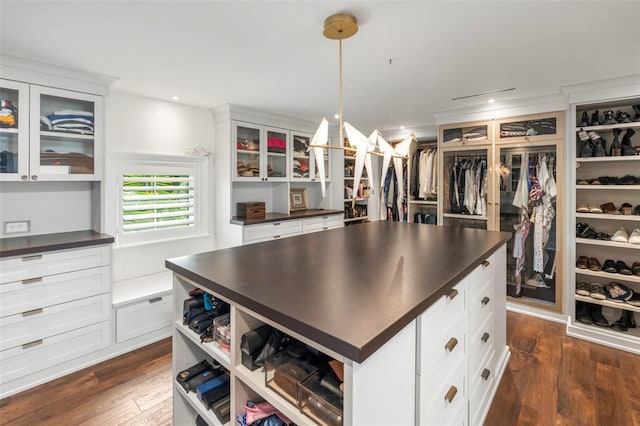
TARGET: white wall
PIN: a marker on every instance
(136, 124)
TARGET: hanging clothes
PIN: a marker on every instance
(521, 201)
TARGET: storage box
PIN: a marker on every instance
(318, 402)
(283, 374)
(222, 332)
(251, 210)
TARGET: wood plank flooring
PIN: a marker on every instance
(551, 379)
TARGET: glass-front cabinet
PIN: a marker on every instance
(532, 128)
(303, 162)
(49, 134)
(473, 133)
(260, 152)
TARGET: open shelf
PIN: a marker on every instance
(609, 303)
(631, 218)
(199, 407)
(607, 275)
(608, 159)
(66, 135)
(424, 202)
(608, 187)
(222, 357)
(588, 241)
(633, 125)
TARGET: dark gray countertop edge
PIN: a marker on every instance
(357, 354)
(23, 246)
(279, 217)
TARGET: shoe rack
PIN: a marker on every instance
(606, 192)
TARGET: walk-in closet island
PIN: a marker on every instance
(413, 314)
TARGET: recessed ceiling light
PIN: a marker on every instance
(401, 127)
(175, 97)
(491, 100)
(336, 116)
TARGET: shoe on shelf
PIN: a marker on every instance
(625, 322)
(627, 148)
(596, 315)
(582, 208)
(594, 265)
(583, 263)
(636, 109)
(635, 299)
(623, 117)
(623, 268)
(597, 292)
(593, 208)
(583, 288)
(602, 236)
(586, 149)
(584, 120)
(617, 292)
(583, 313)
(634, 238)
(609, 208)
(615, 149)
(626, 209)
(620, 236)
(595, 120)
(608, 117)
(636, 268)
(636, 210)
(610, 266)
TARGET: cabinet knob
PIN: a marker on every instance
(485, 300)
(276, 236)
(485, 374)
(34, 177)
(34, 257)
(452, 294)
(451, 344)
(155, 300)
(485, 337)
(451, 393)
(486, 264)
(24, 177)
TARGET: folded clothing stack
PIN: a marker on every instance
(276, 145)
(8, 114)
(68, 120)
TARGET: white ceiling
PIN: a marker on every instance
(272, 55)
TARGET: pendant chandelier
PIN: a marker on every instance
(339, 27)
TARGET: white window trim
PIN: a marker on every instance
(134, 163)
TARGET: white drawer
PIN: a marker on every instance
(449, 305)
(480, 307)
(322, 223)
(272, 230)
(144, 317)
(482, 381)
(480, 276)
(20, 296)
(16, 330)
(55, 262)
(38, 355)
(435, 408)
(480, 343)
(442, 346)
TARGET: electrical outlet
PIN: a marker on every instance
(17, 227)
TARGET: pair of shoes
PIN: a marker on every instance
(608, 117)
(590, 263)
(635, 299)
(636, 268)
(627, 148)
(589, 313)
(585, 231)
(583, 288)
(582, 262)
(625, 322)
(618, 267)
(588, 208)
(621, 236)
(598, 144)
(618, 292)
(623, 117)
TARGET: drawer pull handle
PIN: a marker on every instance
(155, 299)
(485, 337)
(451, 344)
(485, 264)
(485, 300)
(32, 312)
(34, 257)
(276, 236)
(485, 374)
(32, 280)
(451, 394)
(32, 344)
(325, 217)
(452, 294)
(276, 224)
(325, 228)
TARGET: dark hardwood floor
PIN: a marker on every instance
(551, 379)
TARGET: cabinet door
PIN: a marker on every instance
(246, 139)
(302, 163)
(14, 131)
(474, 133)
(65, 135)
(275, 161)
(530, 128)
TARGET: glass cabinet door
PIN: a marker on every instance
(528, 199)
(247, 149)
(14, 132)
(63, 129)
(276, 158)
(466, 134)
(530, 128)
(301, 164)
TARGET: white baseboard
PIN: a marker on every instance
(538, 313)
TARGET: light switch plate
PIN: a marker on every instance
(17, 227)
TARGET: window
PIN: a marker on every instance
(160, 200)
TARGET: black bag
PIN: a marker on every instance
(200, 323)
(277, 342)
(192, 307)
(194, 382)
(193, 371)
(213, 395)
(252, 343)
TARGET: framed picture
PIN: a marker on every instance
(298, 199)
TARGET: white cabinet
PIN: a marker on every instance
(57, 135)
(303, 159)
(54, 306)
(321, 223)
(289, 228)
(260, 153)
(604, 182)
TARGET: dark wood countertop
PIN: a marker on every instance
(277, 217)
(349, 289)
(21, 246)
